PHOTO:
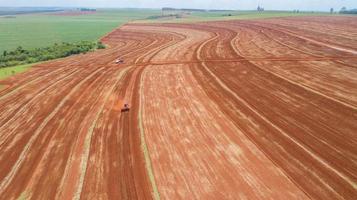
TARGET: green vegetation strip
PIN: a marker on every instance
(21, 56)
(6, 72)
(145, 148)
(187, 17)
(23, 196)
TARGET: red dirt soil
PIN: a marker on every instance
(259, 109)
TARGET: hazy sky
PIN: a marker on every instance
(206, 4)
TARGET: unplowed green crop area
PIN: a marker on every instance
(10, 71)
(224, 15)
(42, 30)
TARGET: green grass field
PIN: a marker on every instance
(223, 15)
(42, 30)
(9, 71)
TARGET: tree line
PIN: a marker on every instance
(21, 56)
(344, 10)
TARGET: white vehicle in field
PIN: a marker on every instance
(119, 61)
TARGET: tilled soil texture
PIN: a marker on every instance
(259, 109)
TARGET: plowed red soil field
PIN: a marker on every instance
(259, 109)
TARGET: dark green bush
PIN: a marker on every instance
(100, 45)
(21, 56)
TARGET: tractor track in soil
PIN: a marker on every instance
(219, 110)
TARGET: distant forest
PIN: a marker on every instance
(19, 11)
(22, 56)
(351, 11)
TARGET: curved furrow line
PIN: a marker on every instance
(316, 28)
(5, 182)
(258, 29)
(44, 123)
(289, 46)
(148, 165)
(48, 87)
(344, 100)
(147, 160)
(314, 41)
(79, 193)
(132, 51)
(14, 112)
(89, 134)
(347, 179)
(23, 107)
(333, 131)
(132, 90)
(249, 130)
(101, 174)
(155, 51)
(127, 132)
(306, 87)
(253, 42)
(205, 152)
(319, 31)
(295, 83)
(44, 145)
(226, 88)
(91, 60)
(308, 53)
(37, 80)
